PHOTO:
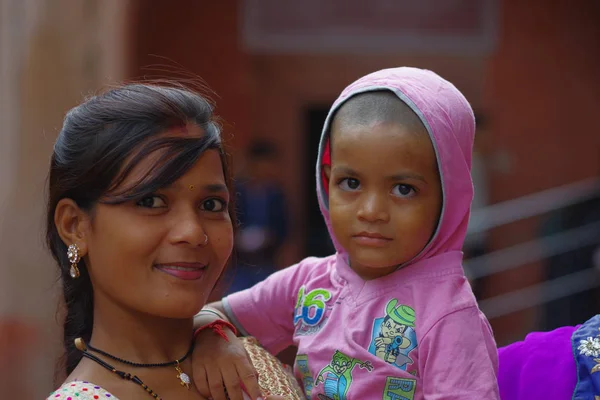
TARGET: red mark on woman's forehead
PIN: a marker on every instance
(188, 129)
(183, 129)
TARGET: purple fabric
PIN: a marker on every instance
(540, 367)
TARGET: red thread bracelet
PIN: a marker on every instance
(217, 327)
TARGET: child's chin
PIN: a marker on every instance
(379, 267)
(376, 261)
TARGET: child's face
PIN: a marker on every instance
(385, 195)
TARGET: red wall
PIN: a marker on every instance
(193, 39)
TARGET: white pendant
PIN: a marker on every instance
(183, 377)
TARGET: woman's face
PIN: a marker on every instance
(151, 255)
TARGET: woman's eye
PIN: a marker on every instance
(403, 190)
(214, 205)
(349, 184)
(151, 202)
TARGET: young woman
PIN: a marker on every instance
(140, 224)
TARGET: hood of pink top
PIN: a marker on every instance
(450, 122)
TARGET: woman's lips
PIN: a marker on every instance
(185, 271)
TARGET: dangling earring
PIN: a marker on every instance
(73, 254)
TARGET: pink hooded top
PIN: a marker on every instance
(416, 333)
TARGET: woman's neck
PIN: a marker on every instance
(139, 337)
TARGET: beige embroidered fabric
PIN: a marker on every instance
(273, 377)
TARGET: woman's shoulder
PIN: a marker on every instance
(80, 390)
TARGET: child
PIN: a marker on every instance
(391, 314)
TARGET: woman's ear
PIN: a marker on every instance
(72, 224)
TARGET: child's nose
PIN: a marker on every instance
(374, 208)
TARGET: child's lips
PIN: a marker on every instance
(371, 239)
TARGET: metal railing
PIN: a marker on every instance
(535, 250)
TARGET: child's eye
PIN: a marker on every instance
(402, 190)
(349, 184)
(214, 205)
(152, 201)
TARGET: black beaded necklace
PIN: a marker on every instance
(182, 376)
(140, 365)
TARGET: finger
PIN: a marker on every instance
(249, 378)
(201, 381)
(232, 382)
(215, 384)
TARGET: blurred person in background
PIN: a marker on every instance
(262, 215)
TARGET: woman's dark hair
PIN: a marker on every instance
(101, 140)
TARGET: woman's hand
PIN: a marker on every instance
(219, 364)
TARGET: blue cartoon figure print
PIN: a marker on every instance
(393, 336)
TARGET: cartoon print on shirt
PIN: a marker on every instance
(305, 375)
(337, 376)
(399, 388)
(310, 310)
(393, 336)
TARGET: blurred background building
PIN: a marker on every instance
(528, 68)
